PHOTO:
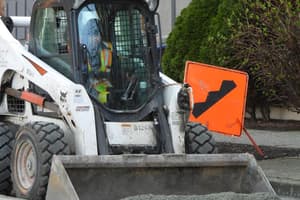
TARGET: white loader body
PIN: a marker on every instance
(77, 112)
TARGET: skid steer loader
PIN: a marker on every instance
(89, 86)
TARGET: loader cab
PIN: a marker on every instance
(107, 46)
(118, 48)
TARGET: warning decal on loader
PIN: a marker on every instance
(219, 97)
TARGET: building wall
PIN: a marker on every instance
(2, 11)
(278, 113)
(19, 8)
(168, 11)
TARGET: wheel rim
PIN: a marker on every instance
(26, 165)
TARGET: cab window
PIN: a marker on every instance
(50, 41)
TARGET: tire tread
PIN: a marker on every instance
(51, 141)
(6, 146)
(199, 140)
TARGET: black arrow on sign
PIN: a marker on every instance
(213, 97)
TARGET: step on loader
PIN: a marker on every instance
(89, 87)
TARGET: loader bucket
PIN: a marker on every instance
(120, 176)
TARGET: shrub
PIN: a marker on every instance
(186, 39)
(261, 37)
(266, 44)
(217, 47)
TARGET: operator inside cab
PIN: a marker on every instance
(99, 61)
(119, 67)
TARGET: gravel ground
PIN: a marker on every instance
(218, 196)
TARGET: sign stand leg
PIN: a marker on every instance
(257, 148)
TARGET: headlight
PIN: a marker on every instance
(153, 4)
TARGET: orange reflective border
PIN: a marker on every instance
(41, 70)
(33, 98)
(219, 97)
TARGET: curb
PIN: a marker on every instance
(286, 188)
(270, 152)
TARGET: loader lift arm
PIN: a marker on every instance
(32, 98)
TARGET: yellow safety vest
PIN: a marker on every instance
(105, 58)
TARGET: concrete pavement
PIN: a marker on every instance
(3, 197)
(283, 173)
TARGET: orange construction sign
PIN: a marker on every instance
(219, 97)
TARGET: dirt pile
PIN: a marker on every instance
(216, 196)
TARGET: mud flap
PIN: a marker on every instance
(120, 176)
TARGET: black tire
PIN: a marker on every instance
(6, 146)
(198, 140)
(34, 147)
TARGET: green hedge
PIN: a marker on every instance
(190, 31)
(261, 37)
